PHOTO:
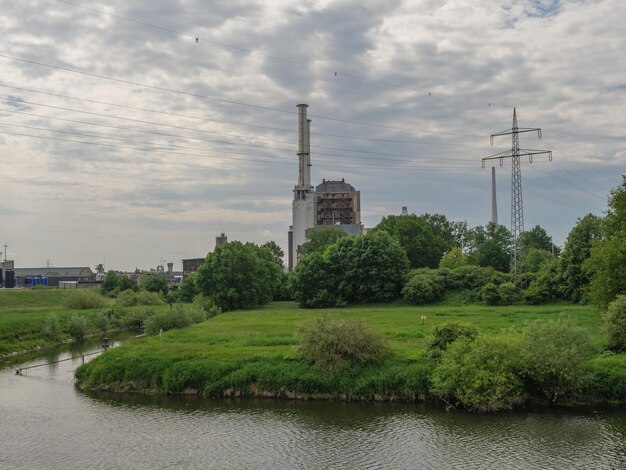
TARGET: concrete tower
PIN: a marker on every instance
(494, 204)
(303, 207)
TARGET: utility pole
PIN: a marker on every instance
(517, 209)
(5, 251)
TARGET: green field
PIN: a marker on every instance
(255, 352)
(22, 313)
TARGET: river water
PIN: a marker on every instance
(46, 423)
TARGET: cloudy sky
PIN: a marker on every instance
(126, 140)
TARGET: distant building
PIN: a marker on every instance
(51, 276)
(220, 240)
(191, 265)
(338, 203)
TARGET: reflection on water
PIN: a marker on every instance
(47, 423)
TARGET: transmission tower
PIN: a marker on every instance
(517, 208)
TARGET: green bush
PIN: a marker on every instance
(490, 294)
(333, 346)
(130, 298)
(154, 283)
(615, 323)
(100, 321)
(77, 327)
(508, 293)
(207, 306)
(82, 299)
(554, 359)
(608, 379)
(187, 290)
(424, 288)
(445, 334)
(51, 328)
(167, 320)
(474, 277)
(480, 375)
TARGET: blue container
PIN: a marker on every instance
(44, 281)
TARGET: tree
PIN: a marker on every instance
(188, 290)
(99, 268)
(154, 284)
(416, 236)
(356, 269)
(535, 258)
(277, 252)
(320, 239)
(452, 233)
(607, 263)
(110, 282)
(126, 283)
(615, 321)
(491, 246)
(537, 238)
(238, 275)
(575, 280)
(453, 259)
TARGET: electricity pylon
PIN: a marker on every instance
(517, 208)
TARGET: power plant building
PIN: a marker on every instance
(334, 204)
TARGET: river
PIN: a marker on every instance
(47, 423)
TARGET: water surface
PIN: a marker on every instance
(45, 422)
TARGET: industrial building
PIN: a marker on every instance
(338, 203)
(191, 265)
(332, 203)
(52, 276)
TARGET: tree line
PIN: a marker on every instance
(424, 258)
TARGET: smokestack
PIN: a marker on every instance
(304, 129)
(494, 204)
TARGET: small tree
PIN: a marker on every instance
(51, 328)
(615, 323)
(188, 290)
(554, 358)
(335, 346)
(445, 334)
(154, 284)
(77, 328)
(453, 259)
(423, 289)
(490, 294)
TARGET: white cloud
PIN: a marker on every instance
(421, 65)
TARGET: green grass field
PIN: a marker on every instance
(22, 313)
(248, 351)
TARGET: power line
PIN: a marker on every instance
(333, 72)
(276, 160)
(208, 132)
(222, 100)
(205, 119)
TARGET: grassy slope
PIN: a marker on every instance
(246, 349)
(22, 313)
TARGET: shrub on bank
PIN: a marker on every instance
(51, 328)
(82, 299)
(481, 374)
(167, 320)
(445, 334)
(130, 298)
(332, 346)
(77, 328)
(554, 359)
(615, 323)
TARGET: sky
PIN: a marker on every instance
(133, 132)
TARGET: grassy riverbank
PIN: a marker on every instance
(24, 312)
(254, 353)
